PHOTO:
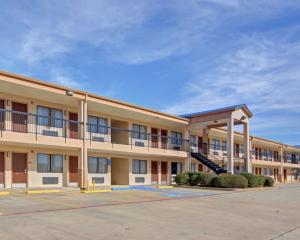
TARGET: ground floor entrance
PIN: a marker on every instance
(73, 170)
(1, 169)
(19, 169)
(154, 172)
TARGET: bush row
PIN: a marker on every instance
(205, 179)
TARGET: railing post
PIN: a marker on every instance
(1, 123)
(131, 139)
(36, 127)
(65, 123)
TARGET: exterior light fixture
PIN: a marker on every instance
(243, 118)
(69, 93)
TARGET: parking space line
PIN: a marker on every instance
(106, 205)
(45, 200)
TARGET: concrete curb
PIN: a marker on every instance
(228, 189)
(96, 191)
(4, 193)
(42, 191)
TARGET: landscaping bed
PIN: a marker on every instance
(223, 181)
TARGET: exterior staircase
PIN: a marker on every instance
(208, 163)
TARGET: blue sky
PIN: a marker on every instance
(174, 56)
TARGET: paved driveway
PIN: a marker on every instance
(154, 214)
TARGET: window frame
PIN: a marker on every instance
(98, 128)
(51, 119)
(138, 133)
(101, 163)
(139, 166)
(176, 138)
(51, 168)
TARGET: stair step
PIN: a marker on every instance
(207, 162)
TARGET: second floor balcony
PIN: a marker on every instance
(15, 125)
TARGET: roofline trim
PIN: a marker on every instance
(91, 95)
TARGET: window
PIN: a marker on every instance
(193, 141)
(193, 167)
(176, 167)
(97, 165)
(49, 163)
(265, 173)
(176, 138)
(224, 146)
(49, 117)
(139, 167)
(98, 125)
(139, 132)
(215, 144)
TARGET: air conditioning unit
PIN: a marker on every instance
(140, 144)
(176, 148)
(139, 179)
(97, 139)
(50, 133)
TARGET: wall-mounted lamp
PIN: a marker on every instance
(66, 157)
(8, 102)
(243, 118)
(69, 93)
(8, 154)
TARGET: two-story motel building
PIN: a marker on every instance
(53, 136)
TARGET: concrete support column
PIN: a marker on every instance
(8, 169)
(246, 139)
(205, 140)
(281, 163)
(230, 144)
(186, 146)
(83, 153)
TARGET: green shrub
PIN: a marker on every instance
(269, 182)
(205, 178)
(182, 178)
(230, 181)
(252, 179)
(194, 179)
(260, 180)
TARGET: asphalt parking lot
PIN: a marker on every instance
(153, 214)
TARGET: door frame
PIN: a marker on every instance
(69, 128)
(161, 173)
(154, 139)
(69, 180)
(12, 114)
(3, 183)
(157, 178)
(12, 178)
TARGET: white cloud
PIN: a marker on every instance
(65, 78)
(263, 74)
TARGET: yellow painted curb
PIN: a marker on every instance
(96, 191)
(42, 191)
(4, 193)
(165, 187)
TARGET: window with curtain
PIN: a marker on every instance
(215, 144)
(193, 167)
(139, 167)
(193, 141)
(98, 125)
(176, 138)
(97, 165)
(49, 163)
(49, 117)
(224, 146)
(139, 132)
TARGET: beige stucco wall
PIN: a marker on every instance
(120, 171)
